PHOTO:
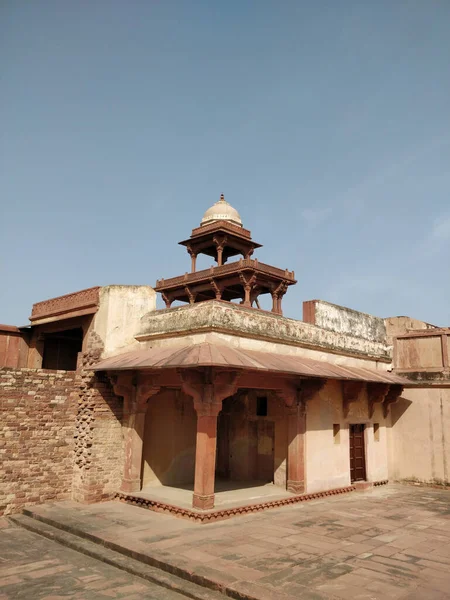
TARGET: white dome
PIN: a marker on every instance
(221, 211)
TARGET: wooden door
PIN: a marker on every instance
(357, 453)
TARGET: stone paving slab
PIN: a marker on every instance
(387, 543)
(35, 568)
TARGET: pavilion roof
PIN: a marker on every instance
(209, 354)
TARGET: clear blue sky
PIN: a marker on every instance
(325, 123)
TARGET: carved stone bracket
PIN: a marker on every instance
(208, 387)
(167, 299)
(217, 290)
(190, 294)
(296, 396)
(135, 394)
(277, 295)
(395, 391)
(351, 391)
(376, 393)
(310, 387)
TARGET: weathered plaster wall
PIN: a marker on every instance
(169, 439)
(344, 320)
(37, 423)
(252, 447)
(420, 436)
(399, 325)
(120, 310)
(328, 459)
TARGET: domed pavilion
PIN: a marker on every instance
(222, 236)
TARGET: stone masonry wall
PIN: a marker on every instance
(98, 463)
(37, 420)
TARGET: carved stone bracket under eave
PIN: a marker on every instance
(351, 391)
(208, 387)
(135, 393)
(376, 393)
(296, 396)
(395, 391)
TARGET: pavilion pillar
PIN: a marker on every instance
(135, 408)
(247, 284)
(208, 388)
(274, 302)
(193, 256)
(220, 242)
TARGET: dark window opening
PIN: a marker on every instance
(376, 432)
(337, 433)
(261, 406)
(61, 349)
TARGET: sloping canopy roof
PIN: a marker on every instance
(217, 355)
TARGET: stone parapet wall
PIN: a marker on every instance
(229, 318)
(38, 411)
(345, 321)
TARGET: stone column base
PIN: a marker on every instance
(296, 487)
(203, 502)
(130, 485)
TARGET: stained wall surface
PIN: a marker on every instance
(420, 436)
(327, 453)
(252, 446)
(169, 439)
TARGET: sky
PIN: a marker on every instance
(326, 124)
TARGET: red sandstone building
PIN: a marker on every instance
(213, 407)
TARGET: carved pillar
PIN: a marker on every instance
(135, 408)
(208, 388)
(296, 400)
(274, 302)
(220, 241)
(248, 284)
(193, 256)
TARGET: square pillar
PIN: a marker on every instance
(205, 462)
(135, 398)
(208, 387)
(296, 449)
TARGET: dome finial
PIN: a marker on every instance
(222, 198)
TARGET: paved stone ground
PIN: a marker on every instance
(387, 543)
(33, 567)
